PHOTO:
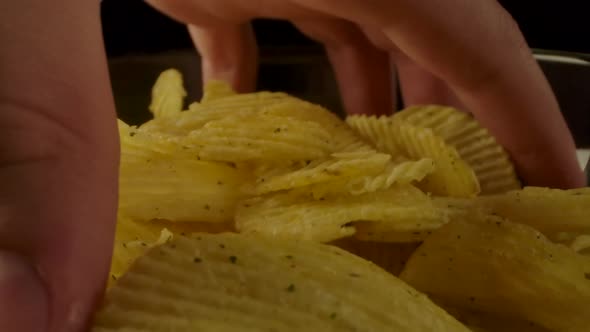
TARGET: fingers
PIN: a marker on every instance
(228, 53)
(417, 85)
(476, 47)
(420, 87)
(363, 72)
(58, 165)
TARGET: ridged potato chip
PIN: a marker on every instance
(499, 267)
(179, 189)
(134, 238)
(452, 177)
(337, 166)
(233, 282)
(168, 94)
(380, 131)
(551, 211)
(260, 137)
(295, 215)
(199, 114)
(476, 146)
(214, 90)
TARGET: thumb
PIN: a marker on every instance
(23, 297)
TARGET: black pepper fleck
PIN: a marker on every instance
(291, 288)
(197, 260)
(233, 259)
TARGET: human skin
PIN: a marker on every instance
(59, 145)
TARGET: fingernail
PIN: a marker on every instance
(23, 297)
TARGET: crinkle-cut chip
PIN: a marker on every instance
(260, 137)
(551, 211)
(499, 267)
(417, 227)
(391, 257)
(232, 282)
(407, 172)
(168, 94)
(379, 131)
(133, 238)
(179, 189)
(345, 139)
(138, 144)
(452, 177)
(403, 173)
(319, 171)
(476, 146)
(295, 215)
(215, 90)
(199, 114)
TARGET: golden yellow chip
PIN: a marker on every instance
(337, 166)
(168, 94)
(476, 146)
(179, 189)
(551, 211)
(260, 137)
(132, 240)
(216, 90)
(232, 282)
(452, 177)
(295, 215)
(379, 131)
(199, 114)
(504, 268)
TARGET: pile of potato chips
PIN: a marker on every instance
(263, 212)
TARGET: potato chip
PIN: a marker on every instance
(139, 144)
(179, 189)
(499, 267)
(295, 215)
(168, 94)
(551, 211)
(199, 114)
(214, 90)
(379, 131)
(260, 137)
(337, 166)
(134, 238)
(476, 146)
(239, 283)
(581, 244)
(452, 177)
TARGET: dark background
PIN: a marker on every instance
(133, 27)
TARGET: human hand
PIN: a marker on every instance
(58, 165)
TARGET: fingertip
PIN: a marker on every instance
(24, 301)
